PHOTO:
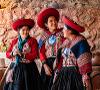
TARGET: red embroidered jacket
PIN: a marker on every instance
(78, 54)
(45, 49)
(30, 48)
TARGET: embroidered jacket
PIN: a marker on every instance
(49, 44)
(30, 49)
(77, 54)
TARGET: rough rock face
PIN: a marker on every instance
(84, 12)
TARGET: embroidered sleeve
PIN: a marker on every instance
(42, 49)
(9, 51)
(84, 58)
(84, 63)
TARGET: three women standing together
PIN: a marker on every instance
(72, 64)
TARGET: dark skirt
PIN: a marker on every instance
(68, 79)
(25, 77)
(47, 81)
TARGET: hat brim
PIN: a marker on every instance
(72, 24)
(43, 15)
(23, 22)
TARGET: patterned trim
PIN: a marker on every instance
(44, 36)
(25, 61)
(52, 50)
(59, 34)
(84, 59)
(26, 48)
(78, 39)
(66, 43)
(87, 68)
(69, 60)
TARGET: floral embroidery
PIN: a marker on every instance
(26, 48)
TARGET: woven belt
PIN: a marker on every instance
(69, 66)
(51, 57)
(25, 61)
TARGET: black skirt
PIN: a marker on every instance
(47, 81)
(25, 77)
(68, 79)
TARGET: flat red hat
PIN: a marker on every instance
(72, 24)
(23, 22)
(45, 13)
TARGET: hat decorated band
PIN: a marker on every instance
(44, 14)
(72, 24)
(23, 22)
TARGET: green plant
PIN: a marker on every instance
(3, 47)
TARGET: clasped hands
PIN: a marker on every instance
(17, 53)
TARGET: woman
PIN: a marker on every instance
(76, 57)
(49, 42)
(23, 74)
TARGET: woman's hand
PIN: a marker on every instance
(9, 76)
(47, 69)
(86, 81)
(15, 53)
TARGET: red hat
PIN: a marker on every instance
(72, 24)
(23, 22)
(43, 15)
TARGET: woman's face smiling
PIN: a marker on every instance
(52, 24)
(24, 31)
(67, 33)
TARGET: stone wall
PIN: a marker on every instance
(84, 12)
